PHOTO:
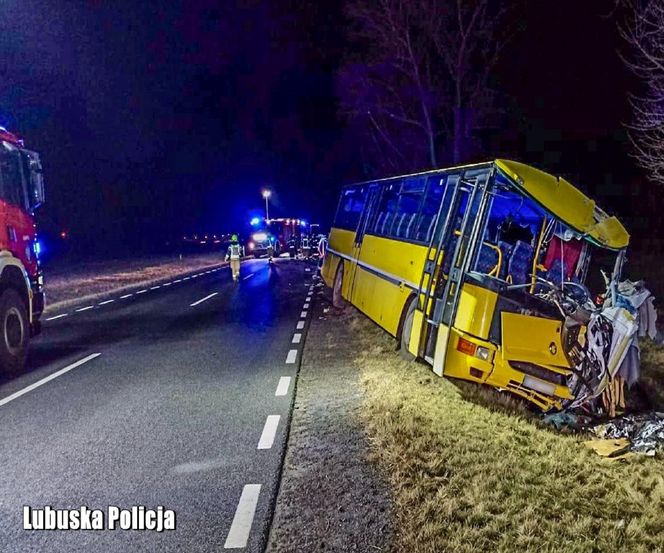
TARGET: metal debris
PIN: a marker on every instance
(644, 431)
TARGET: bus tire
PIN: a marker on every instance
(405, 331)
(337, 299)
(14, 332)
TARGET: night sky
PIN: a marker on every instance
(159, 119)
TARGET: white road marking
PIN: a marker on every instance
(269, 432)
(178, 280)
(126, 296)
(238, 535)
(212, 295)
(282, 387)
(106, 302)
(305, 306)
(86, 308)
(297, 337)
(167, 284)
(57, 317)
(48, 379)
(303, 315)
(156, 287)
(186, 278)
(141, 292)
(291, 357)
(300, 325)
(248, 276)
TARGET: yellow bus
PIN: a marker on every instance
(490, 272)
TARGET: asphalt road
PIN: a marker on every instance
(179, 410)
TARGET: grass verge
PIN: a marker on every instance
(472, 470)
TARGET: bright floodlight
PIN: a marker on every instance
(255, 221)
(266, 194)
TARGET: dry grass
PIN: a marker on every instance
(651, 384)
(473, 471)
(99, 277)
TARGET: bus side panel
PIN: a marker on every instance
(475, 311)
(340, 241)
(394, 269)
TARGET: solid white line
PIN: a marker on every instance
(300, 325)
(86, 308)
(212, 295)
(305, 306)
(297, 337)
(282, 387)
(238, 535)
(126, 296)
(106, 302)
(57, 317)
(303, 315)
(156, 287)
(269, 432)
(248, 276)
(291, 357)
(48, 379)
(141, 292)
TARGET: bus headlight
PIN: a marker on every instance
(250, 245)
(482, 353)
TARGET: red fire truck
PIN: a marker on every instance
(21, 280)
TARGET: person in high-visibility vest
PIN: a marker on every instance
(234, 254)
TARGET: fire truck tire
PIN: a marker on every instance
(337, 299)
(405, 331)
(14, 332)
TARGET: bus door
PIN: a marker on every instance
(462, 236)
(360, 284)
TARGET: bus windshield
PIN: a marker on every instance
(12, 188)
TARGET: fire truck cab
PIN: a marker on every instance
(21, 279)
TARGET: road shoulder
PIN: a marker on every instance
(331, 497)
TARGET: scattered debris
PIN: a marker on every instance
(645, 432)
(613, 449)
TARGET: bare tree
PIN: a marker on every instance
(644, 32)
(421, 82)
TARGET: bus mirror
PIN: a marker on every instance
(36, 180)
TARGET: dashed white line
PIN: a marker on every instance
(269, 432)
(291, 357)
(248, 276)
(106, 302)
(167, 284)
(176, 281)
(57, 317)
(156, 287)
(141, 292)
(238, 535)
(212, 295)
(297, 338)
(85, 308)
(186, 278)
(305, 306)
(300, 325)
(303, 315)
(126, 296)
(48, 379)
(282, 387)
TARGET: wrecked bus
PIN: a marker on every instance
(494, 273)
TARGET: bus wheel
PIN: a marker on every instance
(14, 332)
(337, 299)
(405, 332)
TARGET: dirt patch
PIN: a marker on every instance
(331, 497)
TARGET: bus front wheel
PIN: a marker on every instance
(406, 329)
(337, 299)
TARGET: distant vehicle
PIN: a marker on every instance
(284, 235)
(21, 279)
(484, 272)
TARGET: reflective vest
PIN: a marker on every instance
(234, 251)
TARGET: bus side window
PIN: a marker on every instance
(426, 222)
(350, 208)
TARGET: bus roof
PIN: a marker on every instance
(558, 196)
(567, 203)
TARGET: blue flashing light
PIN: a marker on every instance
(303, 223)
(255, 221)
